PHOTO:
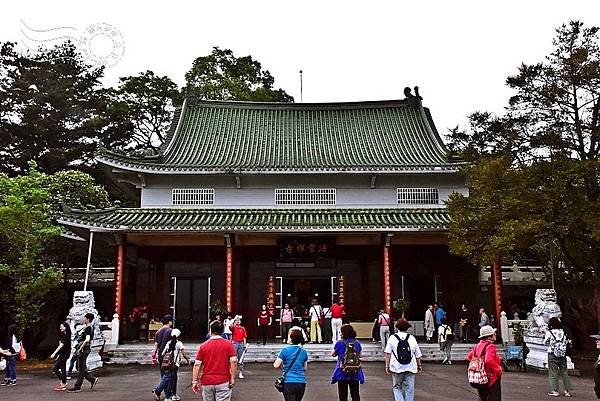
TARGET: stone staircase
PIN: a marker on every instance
(140, 353)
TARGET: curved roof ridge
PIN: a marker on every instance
(215, 137)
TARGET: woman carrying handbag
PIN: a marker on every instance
(294, 360)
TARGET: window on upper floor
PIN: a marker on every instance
(418, 196)
(305, 196)
(193, 196)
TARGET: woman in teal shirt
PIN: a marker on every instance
(294, 360)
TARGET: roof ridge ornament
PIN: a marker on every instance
(409, 96)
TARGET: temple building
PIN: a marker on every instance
(272, 203)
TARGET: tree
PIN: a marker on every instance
(222, 76)
(535, 173)
(48, 109)
(31, 258)
(140, 110)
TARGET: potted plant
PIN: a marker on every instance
(401, 306)
(218, 308)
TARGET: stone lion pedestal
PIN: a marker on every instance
(83, 302)
(545, 308)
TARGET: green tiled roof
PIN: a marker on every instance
(238, 137)
(219, 220)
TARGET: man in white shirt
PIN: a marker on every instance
(316, 313)
(403, 374)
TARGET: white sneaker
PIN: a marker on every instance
(554, 394)
(176, 398)
(241, 375)
(568, 394)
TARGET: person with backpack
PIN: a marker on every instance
(11, 355)
(485, 368)
(62, 352)
(445, 339)
(84, 348)
(293, 360)
(172, 355)
(403, 361)
(557, 342)
(348, 373)
(161, 339)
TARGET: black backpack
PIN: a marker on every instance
(403, 352)
(350, 361)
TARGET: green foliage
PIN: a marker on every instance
(140, 110)
(49, 109)
(535, 173)
(402, 305)
(218, 308)
(26, 230)
(29, 262)
(534, 182)
(222, 76)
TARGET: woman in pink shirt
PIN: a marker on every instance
(287, 316)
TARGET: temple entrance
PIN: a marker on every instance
(299, 293)
(190, 303)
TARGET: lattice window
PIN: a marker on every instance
(193, 196)
(418, 196)
(305, 196)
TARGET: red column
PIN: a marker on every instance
(119, 272)
(387, 279)
(497, 288)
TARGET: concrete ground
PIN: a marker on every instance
(438, 382)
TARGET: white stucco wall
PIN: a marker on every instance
(258, 190)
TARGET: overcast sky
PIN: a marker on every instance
(458, 52)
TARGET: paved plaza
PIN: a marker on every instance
(438, 382)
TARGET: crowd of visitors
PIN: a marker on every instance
(219, 360)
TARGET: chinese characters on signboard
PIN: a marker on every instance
(305, 247)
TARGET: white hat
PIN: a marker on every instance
(175, 332)
(486, 331)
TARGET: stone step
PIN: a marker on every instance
(140, 353)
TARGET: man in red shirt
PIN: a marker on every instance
(337, 313)
(216, 363)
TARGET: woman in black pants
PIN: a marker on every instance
(63, 351)
(293, 360)
(345, 380)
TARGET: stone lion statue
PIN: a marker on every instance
(83, 302)
(545, 308)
